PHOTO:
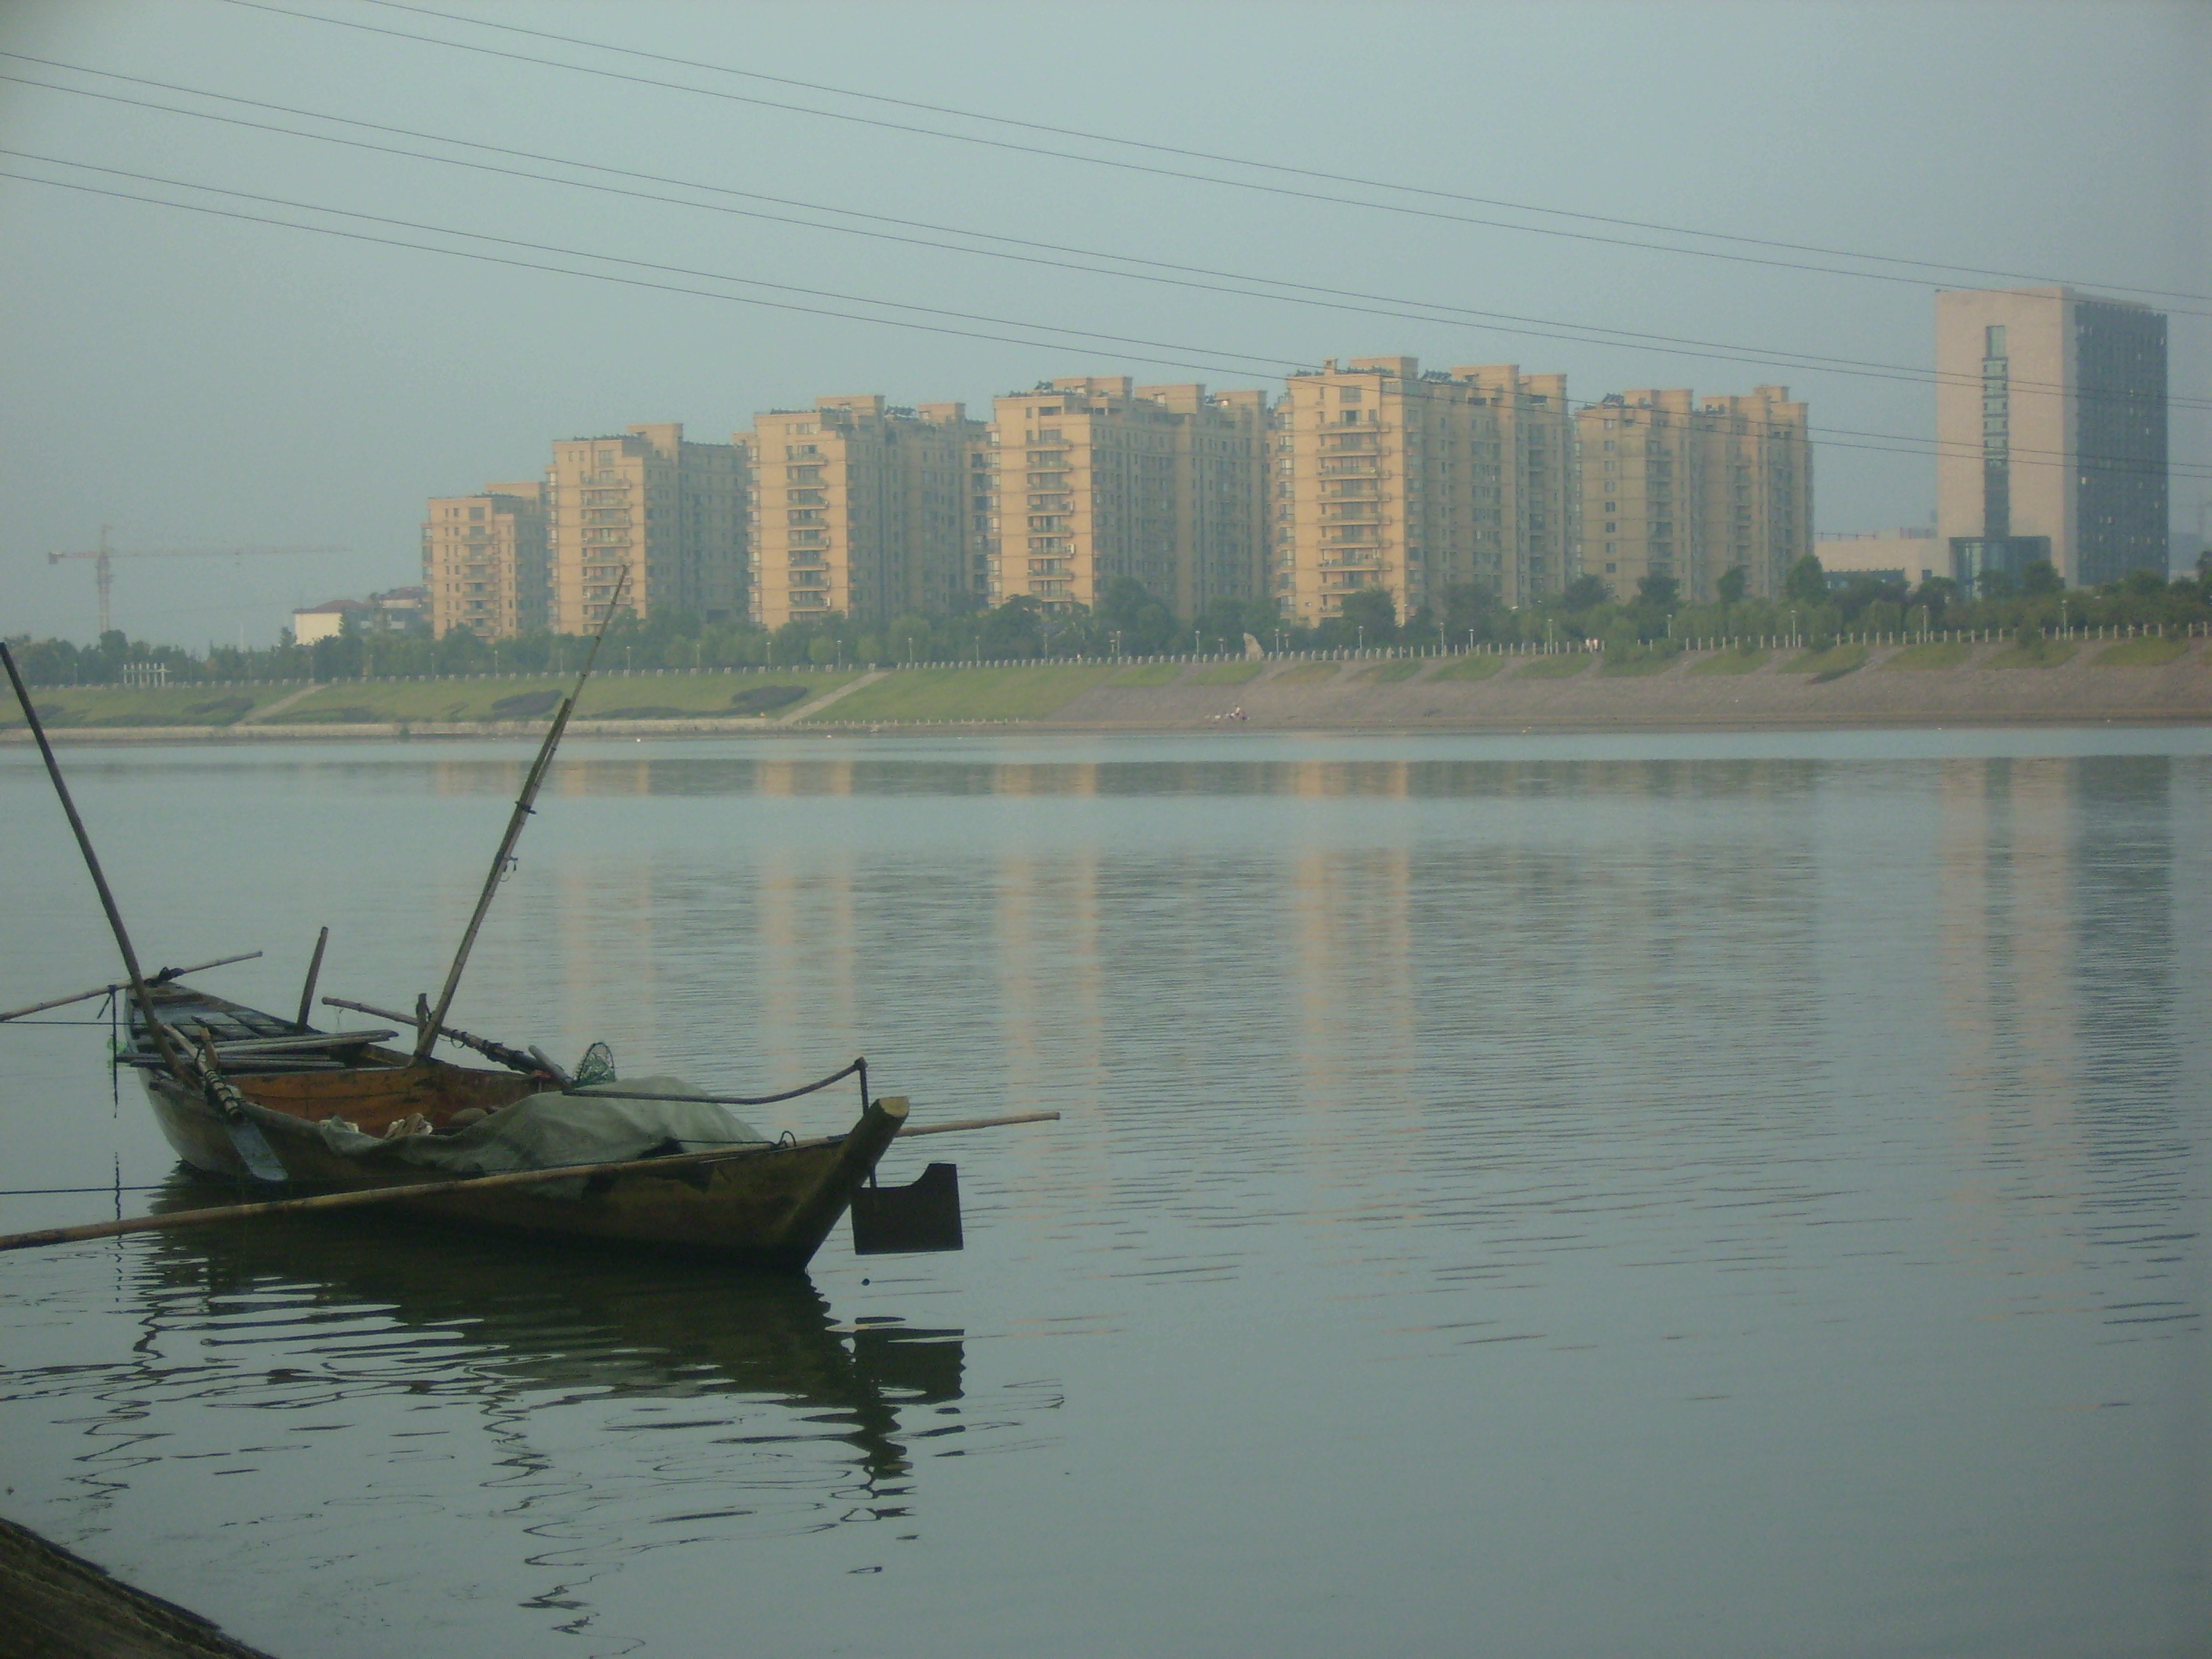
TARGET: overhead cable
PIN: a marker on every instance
(1095, 160)
(1919, 447)
(1299, 294)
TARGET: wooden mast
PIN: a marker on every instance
(435, 1018)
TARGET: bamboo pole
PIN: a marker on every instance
(159, 1033)
(427, 1037)
(162, 978)
(361, 1196)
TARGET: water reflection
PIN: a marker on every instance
(718, 1404)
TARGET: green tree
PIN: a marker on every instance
(2040, 581)
(1371, 608)
(1807, 582)
(1145, 626)
(1585, 594)
(1734, 583)
(1660, 593)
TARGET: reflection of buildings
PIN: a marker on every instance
(2006, 950)
(2058, 977)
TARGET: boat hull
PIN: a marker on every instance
(770, 1205)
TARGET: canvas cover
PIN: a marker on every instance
(602, 1124)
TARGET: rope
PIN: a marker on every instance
(861, 1067)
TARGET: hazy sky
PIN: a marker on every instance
(202, 381)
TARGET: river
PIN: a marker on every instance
(1647, 1195)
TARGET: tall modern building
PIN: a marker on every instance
(2051, 434)
(484, 561)
(1097, 478)
(865, 510)
(1679, 487)
(1387, 477)
(672, 512)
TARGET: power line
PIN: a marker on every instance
(1093, 160)
(1303, 294)
(1269, 166)
(1920, 447)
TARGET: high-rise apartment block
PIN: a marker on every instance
(866, 511)
(671, 512)
(484, 561)
(1677, 487)
(2051, 434)
(1385, 476)
(1097, 478)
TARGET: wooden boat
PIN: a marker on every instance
(760, 1203)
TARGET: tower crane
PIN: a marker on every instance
(103, 557)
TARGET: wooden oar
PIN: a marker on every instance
(149, 1223)
(162, 978)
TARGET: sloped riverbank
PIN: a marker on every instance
(1945, 685)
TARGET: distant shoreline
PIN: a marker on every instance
(1983, 684)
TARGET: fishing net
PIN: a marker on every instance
(597, 1066)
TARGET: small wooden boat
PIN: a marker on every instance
(761, 1203)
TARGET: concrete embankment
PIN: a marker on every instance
(54, 1605)
(2140, 681)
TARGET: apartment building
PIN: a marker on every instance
(865, 510)
(1096, 478)
(671, 512)
(1527, 539)
(1389, 477)
(484, 561)
(1678, 487)
(2050, 429)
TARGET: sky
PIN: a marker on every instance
(202, 381)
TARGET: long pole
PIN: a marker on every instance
(170, 1054)
(427, 1037)
(149, 1223)
(162, 978)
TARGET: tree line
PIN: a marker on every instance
(1132, 622)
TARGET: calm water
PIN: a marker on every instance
(1642, 1196)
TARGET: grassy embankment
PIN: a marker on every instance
(1391, 670)
(1150, 673)
(1307, 673)
(1933, 655)
(1226, 673)
(116, 705)
(497, 697)
(971, 694)
(1833, 664)
(1736, 660)
(2044, 653)
(1472, 668)
(1555, 667)
(2150, 651)
(1636, 662)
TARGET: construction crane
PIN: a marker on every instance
(103, 557)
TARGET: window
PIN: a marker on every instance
(1993, 340)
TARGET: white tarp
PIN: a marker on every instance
(602, 1124)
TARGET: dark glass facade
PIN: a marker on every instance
(2120, 440)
